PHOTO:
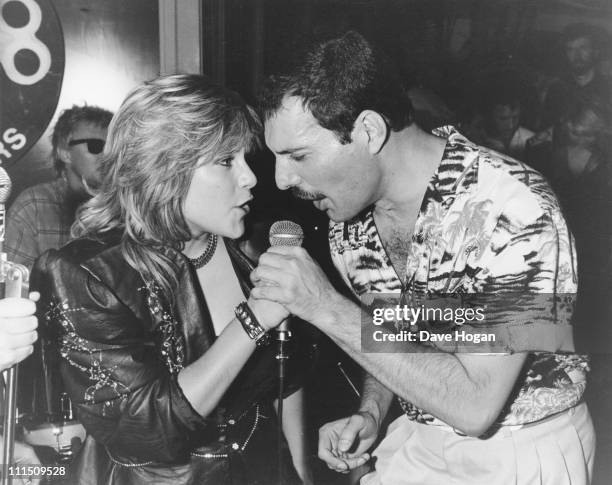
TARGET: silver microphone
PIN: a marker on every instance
(286, 233)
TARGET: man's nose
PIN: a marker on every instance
(284, 176)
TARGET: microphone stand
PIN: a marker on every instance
(10, 377)
(283, 335)
(283, 233)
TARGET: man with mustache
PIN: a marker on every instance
(582, 80)
(419, 214)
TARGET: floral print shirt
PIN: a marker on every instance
(488, 223)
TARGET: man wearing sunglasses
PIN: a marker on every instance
(40, 217)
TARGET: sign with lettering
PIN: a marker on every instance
(31, 73)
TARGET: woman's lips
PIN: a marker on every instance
(246, 207)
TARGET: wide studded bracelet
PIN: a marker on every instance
(251, 326)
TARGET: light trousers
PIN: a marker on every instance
(557, 451)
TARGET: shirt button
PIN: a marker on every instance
(231, 421)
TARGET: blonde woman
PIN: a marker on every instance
(160, 347)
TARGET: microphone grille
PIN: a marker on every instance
(5, 186)
(286, 233)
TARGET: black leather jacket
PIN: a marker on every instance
(119, 346)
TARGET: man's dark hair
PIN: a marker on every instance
(338, 80)
(66, 123)
(578, 31)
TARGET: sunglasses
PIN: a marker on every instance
(94, 145)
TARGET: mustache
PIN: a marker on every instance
(306, 195)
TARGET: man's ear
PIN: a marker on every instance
(64, 155)
(375, 128)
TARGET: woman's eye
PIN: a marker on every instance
(226, 162)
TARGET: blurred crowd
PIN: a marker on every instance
(561, 126)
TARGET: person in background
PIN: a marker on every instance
(501, 127)
(581, 81)
(578, 163)
(41, 216)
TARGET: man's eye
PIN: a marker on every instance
(297, 158)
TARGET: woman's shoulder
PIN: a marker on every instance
(92, 274)
(82, 250)
(100, 257)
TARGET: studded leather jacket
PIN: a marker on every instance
(119, 346)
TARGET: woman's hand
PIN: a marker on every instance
(268, 314)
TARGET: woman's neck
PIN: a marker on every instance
(196, 246)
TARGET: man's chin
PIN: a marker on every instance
(338, 217)
(581, 69)
(324, 205)
(318, 203)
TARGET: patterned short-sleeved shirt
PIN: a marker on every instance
(488, 223)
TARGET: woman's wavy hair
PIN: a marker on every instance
(163, 130)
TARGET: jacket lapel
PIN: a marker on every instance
(192, 314)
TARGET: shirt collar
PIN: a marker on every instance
(457, 173)
(458, 170)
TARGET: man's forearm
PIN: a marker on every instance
(375, 398)
(460, 390)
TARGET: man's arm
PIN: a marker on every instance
(466, 391)
(21, 244)
(375, 399)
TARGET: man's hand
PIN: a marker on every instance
(269, 314)
(17, 330)
(289, 276)
(343, 444)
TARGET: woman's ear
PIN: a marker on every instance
(375, 128)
